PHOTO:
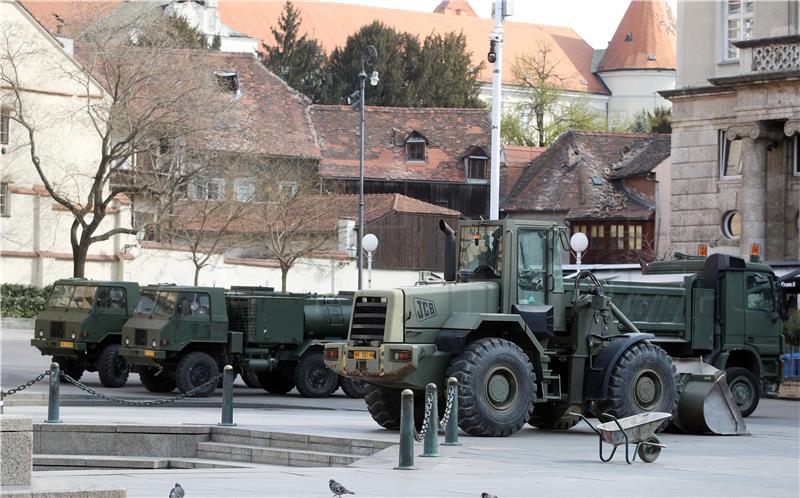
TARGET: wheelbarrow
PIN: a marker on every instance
(638, 430)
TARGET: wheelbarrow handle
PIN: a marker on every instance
(593, 428)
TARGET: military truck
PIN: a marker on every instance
(183, 336)
(522, 348)
(724, 309)
(81, 327)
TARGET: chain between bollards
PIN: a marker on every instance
(227, 396)
(54, 397)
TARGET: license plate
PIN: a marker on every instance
(364, 355)
(149, 353)
(66, 344)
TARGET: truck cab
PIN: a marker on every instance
(81, 327)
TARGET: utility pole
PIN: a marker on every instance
(501, 9)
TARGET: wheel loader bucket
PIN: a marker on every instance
(706, 404)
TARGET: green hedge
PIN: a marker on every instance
(22, 301)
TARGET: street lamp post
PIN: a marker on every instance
(370, 243)
(369, 58)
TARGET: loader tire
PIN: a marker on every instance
(195, 369)
(161, 383)
(554, 416)
(250, 378)
(496, 387)
(644, 379)
(353, 388)
(277, 381)
(112, 368)
(312, 378)
(383, 403)
(744, 388)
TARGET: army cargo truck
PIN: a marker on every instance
(724, 309)
(81, 327)
(522, 348)
(183, 336)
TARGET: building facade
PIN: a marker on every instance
(736, 119)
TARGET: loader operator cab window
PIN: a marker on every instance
(532, 267)
(481, 252)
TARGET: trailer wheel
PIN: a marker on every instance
(644, 379)
(250, 378)
(161, 383)
(70, 367)
(353, 388)
(383, 403)
(312, 378)
(196, 369)
(553, 416)
(278, 381)
(497, 385)
(744, 388)
(112, 367)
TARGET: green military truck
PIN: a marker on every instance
(81, 326)
(725, 309)
(183, 336)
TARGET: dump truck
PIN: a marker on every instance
(524, 347)
(183, 336)
(724, 309)
(81, 327)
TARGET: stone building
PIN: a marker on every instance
(736, 119)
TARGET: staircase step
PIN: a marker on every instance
(66, 462)
(326, 444)
(273, 456)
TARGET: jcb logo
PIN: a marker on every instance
(425, 309)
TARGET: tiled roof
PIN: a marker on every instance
(332, 23)
(450, 133)
(516, 159)
(645, 38)
(576, 175)
(65, 18)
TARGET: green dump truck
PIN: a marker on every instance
(725, 310)
(183, 336)
(81, 327)
(523, 349)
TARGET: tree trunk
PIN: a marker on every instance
(79, 254)
(284, 273)
(197, 274)
(540, 127)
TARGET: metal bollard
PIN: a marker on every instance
(451, 429)
(430, 446)
(406, 431)
(227, 396)
(53, 400)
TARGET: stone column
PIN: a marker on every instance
(16, 450)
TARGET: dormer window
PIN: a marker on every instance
(476, 165)
(228, 81)
(415, 148)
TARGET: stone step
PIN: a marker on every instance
(72, 462)
(306, 442)
(291, 457)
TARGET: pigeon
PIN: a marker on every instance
(338, 489)
(176, 492)
(487, 495)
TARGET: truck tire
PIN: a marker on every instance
(312, 378)
(250, 378)
(112, 368)
(553, 416)
(744, 388)
(70, 367)
(644, 379)
(196, 369)
(278, 381)
(383, 403)
(497, 385)
(161, 383)
(353, 388)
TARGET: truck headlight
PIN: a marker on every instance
(73, 336)
(41, 333)
(127, 341)
(154, 343)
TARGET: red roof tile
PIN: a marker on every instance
(645, 38)
(67, 18)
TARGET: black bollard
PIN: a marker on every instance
(53, 399)
(406, 431)
(227, 396)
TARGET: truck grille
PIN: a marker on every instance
(140, 338)
(369, 319)
(57, 329)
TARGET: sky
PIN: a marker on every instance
(594, 20)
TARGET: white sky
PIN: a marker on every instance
(594, 20)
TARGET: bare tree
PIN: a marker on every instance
(150, 95)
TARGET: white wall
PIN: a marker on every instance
(634, 90)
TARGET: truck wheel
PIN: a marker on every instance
(553, 416)
(196, 369)
(497, 385)
(353, 388)
(312, 378)
(112, 368)
(161, 383)
(744, 388)
(383, 403)
(70, 367)
(643, 380)
(250, 378)
(278, 381)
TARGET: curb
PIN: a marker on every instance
(12, 322)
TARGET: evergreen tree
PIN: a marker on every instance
(172, 31)
(446, 77)
(300, 61)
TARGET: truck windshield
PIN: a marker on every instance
(157, 303)
(72, 296)
(481, 251)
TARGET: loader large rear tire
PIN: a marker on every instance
(383, 403)
(744, 388)
(644, 379)
(554, 416)
(496, 387)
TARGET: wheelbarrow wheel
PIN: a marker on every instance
(649, 453)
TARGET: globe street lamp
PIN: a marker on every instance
(369, 60)
(579, 243)
(369, 243)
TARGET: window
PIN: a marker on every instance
(415, 149)
(227, 80)
(732, 225)
(4, 198)
(4, 126)
(635, 237)
(531, 266)
(476, 167)
(216, 189)
(289, 188)
(738, 18)
(244, 189)
(730, 156)
(111, 298)
(203, 188)
(617, 235)
(759, 293)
